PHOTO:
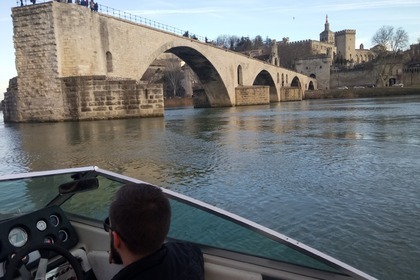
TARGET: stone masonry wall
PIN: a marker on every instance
(39, 92)
(49, 88)
(411, 78)
(253, 95)
(352, 78)
(10, 101)
(95, 97)
(290, 94)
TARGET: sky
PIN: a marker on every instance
(276, 19)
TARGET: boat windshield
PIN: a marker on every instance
(25, 195)
(191, 220)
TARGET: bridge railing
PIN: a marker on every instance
(144, 21)
(127, 16)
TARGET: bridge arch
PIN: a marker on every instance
(311, 86)
(264, 78)
(295, 83)
(214, 92)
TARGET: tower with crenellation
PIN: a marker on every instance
(345, 41)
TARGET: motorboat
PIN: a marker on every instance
(51, 227)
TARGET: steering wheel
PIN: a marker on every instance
(44, 249)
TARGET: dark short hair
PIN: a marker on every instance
(141, 213)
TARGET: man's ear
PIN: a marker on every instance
(117, 239)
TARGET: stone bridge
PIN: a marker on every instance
(76, 64)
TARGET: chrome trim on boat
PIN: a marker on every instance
(46, 173)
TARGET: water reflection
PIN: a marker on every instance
(340, 175)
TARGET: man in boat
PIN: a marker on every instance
(139, 220)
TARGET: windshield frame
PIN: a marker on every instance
(310, 252)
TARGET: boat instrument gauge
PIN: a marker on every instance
(63, 236)
(49, 240)
(41, 225)
(54, 220)
(18, 237)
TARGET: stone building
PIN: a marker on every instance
(411, 70)
(315, 58)
(289, 52)
(339, 46)
(345, 41)
(335, 61)
(318, 67)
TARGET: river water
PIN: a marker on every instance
(342, 176)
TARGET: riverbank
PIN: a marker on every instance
(361, 93)
(324, 94)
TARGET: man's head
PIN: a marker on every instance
(140, 214)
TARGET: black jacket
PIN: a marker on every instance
(175, 261)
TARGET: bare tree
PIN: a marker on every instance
(391, 39)
(400, 40)
(173, 75)
(240, 44)
(227, 41)
(388, 64)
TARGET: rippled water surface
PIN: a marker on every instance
(342, 176)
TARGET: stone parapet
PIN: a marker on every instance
(344, 32)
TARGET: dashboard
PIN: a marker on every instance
(47, 225)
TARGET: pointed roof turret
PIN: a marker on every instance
(327, 35)
(327, 24)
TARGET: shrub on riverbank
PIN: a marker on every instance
(360, 93)
(178, 102)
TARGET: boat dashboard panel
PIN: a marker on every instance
(47, 225)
